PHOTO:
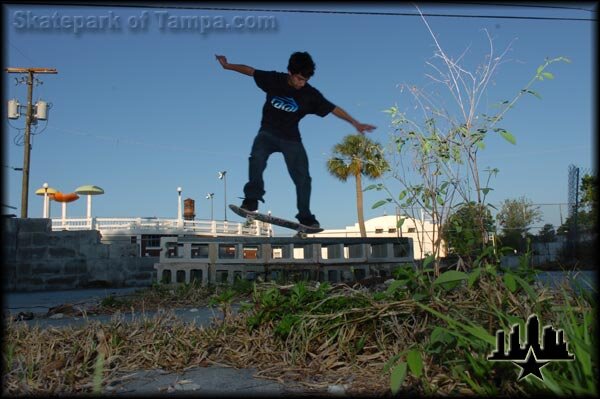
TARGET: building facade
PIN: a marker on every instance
(147, 232)
(422, 232)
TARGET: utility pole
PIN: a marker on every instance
(28, 121)
(223, 176)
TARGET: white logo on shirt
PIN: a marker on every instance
(287, 104)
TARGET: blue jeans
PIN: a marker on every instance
(296, 161)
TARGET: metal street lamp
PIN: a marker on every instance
(223, 176)
(47, 192)
(210, 197)
(179, 206)
(45, 185)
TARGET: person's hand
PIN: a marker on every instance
(364, 127)
(222, 60)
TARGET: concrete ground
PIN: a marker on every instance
(213, 381)
(39, 303)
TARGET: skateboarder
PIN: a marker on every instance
(288, 99)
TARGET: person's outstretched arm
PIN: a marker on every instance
(245, 69)
(361, 127)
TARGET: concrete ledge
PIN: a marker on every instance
(31, 225)
(37, 258)
(223, 259)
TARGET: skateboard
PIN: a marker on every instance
(301, 229)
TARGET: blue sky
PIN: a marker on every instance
(140, 113)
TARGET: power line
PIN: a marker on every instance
(22, 53)
(136, 143)
(30, 118)
(405, 14)
(518, 5)
(299, 11)
(12, 167)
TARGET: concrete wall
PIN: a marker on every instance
(386, 226)
(37, 258)
(211, 260)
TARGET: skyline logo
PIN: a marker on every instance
(530, 356)
(287, 104)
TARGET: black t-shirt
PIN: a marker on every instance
(285, 106)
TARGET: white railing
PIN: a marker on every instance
(163, 226)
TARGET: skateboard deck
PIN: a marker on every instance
(300, 228)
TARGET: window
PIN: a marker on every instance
(333, 251)
(400, 250)
(379, 250)
(378, 231)
(412, 229)
(174, 250)
(353, 251)
(222, 276)
(227, 251)
(280, 251)
(302, 251)
(195, 275)
(199, 250)
(152, 240)
(251, 251)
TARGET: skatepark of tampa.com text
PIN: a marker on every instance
(163, 21)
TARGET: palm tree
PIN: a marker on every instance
(356, 156)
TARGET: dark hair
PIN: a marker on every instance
(302, 63)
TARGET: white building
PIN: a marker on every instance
(421, 231)
(146, 232)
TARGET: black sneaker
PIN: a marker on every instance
(309, 221)
(250, 205)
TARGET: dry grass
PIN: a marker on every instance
(157, 297)
(353, 346)
(53, 361)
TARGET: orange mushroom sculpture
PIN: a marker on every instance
(64, 198)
